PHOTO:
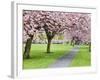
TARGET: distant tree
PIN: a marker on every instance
(81, 27)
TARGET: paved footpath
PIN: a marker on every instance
(65, 60)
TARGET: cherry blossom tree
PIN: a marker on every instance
(54, 23)
(30, 26)
(81, 27)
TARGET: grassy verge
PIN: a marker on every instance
(83, 58)
(39, 57)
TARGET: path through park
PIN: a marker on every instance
(65, 60)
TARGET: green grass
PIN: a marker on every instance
(41, 59)
(82, 58)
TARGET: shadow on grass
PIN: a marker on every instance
(44, 55)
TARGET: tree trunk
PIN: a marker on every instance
(27, 48)
(48, 45)
(72, 43)
(89, 47)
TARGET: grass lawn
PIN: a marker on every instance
(39, 57)
(82, 58)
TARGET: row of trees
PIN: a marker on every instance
(53, 23)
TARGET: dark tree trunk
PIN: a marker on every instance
(72, 43)
(50, 36)
(48, 45)
(27, 48)
(89, 47)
